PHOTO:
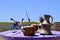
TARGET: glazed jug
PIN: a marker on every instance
(46, 25)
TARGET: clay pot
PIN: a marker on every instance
(28, 31)
(35, 26)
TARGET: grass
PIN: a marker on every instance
(4, 26)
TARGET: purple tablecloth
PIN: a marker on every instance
(18, 35)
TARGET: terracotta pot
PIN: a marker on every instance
(28, 31)
(35, 26)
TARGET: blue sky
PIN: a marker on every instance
(17, 8)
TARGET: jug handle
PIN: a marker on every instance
(51, 19)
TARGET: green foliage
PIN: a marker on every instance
(4, 26)
(34, 22)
